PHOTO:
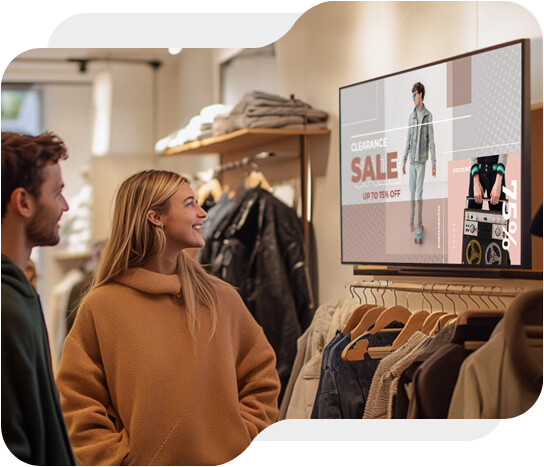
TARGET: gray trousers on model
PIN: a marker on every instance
(415, 182)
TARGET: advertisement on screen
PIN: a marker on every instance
(431, 164)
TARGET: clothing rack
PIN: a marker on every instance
(244, 162)
(446, 289)
(250, 161)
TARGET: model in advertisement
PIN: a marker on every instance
(419, 143)
(487, 177)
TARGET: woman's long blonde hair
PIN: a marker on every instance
(134, 241)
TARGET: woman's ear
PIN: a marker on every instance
(154, 218)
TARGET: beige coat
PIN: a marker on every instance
(503, 378)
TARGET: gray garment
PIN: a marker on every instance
(415, 181)
(264, 99)
(419, 115)
(237, 121)
(262, 110)
(313, 115)
(272, 121)
(430, 128)
(379, 400)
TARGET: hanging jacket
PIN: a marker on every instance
(503, 378)
(426, 138)
(259, 249)
(32, 422)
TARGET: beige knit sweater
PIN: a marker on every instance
(135, 390)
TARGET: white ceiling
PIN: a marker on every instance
(145, 54)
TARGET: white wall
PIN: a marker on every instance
(339, 43)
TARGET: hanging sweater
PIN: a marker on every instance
(136, 390)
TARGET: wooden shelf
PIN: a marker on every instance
(239, 139)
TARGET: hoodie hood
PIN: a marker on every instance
(13, 277)
(151, 282)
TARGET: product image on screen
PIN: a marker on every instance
(433, 163)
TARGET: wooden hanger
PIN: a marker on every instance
(351, 351)
(442, 322)
(430, 322)
(366, 322)
(387, 316)
(357, 348)
(473, 315)
(213, 187)
(257, 178)
(413, 324)
(355, 318)
(448, 320)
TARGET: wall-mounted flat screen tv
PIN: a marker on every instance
(435, 163)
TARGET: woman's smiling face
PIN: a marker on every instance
(183, 221)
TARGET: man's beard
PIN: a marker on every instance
(42, 231)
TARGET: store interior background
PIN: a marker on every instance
(332, 45)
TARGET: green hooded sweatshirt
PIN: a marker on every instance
(32, 423)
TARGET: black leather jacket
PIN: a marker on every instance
(259, 248)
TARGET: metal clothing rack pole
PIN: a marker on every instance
(448, 289)
(251, 161)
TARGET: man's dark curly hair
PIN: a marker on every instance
(23, 160)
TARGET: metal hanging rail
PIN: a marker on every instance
(250, 161)
(446, 289)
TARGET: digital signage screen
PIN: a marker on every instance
(435, 163)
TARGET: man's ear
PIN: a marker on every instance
(23, 202)
(154, 218)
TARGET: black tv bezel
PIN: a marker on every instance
(524, 188)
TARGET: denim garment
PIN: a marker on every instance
(345, 385)
(354, 378)
(324, 365)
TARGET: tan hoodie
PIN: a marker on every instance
(135, 389)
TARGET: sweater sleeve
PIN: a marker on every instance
(258, 381)
(85, 400)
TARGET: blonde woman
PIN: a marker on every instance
(164, 364)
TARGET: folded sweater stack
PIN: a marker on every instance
(258, 109)
(199, 127)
